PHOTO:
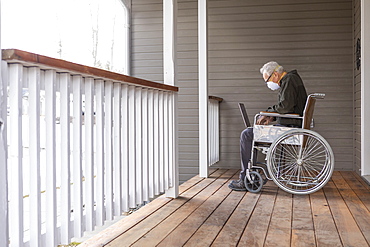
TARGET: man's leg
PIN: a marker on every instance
(246, 139)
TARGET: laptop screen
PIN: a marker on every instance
(244, 114)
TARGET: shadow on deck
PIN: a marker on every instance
(208, 213)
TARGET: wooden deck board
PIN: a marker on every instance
(214, 193)
(302, 222)
(348, 229)
(208, 213)
(233, 229)
(208, 231)
(196, 195)
(326, 233)
(256, 229)
(191, 224)
(355, 205)
(281, 221)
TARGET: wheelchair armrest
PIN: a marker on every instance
(275, 114)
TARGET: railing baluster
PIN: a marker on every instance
(210, 130)
(138, 143)
(171, 143)
(89, 154)
(161, 141)
(99, 161)
(117, 149)
(151, 142)
(108, 150)
(34, 153)
(173, 191)
(125, 148)
(156, 142)
(217, 133)
(132, 146)
(65, 82)
(15, 155)
(165, 141)
(50, 115)
(144, 120)
(65, 122)
(4, 216)
(77, 155)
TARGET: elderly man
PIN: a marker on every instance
(291, 99)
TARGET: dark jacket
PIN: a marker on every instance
(291, 99)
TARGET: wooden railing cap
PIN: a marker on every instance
(31, 59)
(215, 98)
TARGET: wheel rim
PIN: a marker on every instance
(300, 161)
(256, 183)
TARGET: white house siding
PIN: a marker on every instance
(147, 40)
(188, 83)
(357, 88)
(313, 36)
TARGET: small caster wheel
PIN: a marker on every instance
(256, 183)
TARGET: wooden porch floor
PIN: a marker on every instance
(208, 213)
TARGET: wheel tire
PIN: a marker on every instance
(300, 161)
(256, 183)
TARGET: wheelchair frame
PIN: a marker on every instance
(298, 160)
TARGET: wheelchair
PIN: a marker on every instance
(298, 160)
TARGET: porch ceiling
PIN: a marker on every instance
(208, 213)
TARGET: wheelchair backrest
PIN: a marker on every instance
(309, 109)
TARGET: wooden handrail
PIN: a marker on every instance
(216, 98)
(31, 59)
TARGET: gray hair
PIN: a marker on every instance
(270, 67)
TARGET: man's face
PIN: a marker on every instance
(274, 77)
(271, 77)
(272, 81)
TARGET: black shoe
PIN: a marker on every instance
(235, 181)
(237, 185)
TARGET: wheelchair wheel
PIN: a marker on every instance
(256, 183)
(300, 161)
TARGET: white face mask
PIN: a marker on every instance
(272, 85)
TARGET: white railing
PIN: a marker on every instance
(214, 129)
(83, 146)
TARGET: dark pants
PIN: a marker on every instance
(246, 139)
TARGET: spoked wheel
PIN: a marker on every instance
(300, 161)
(256, 183)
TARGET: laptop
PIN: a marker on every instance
(244, 114)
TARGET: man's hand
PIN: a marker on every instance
(264, 120)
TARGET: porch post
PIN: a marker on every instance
(170, 78)
(4, 234)
(365, 87)
(203, 87)
(127, 68)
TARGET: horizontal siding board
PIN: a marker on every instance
(263, 5)
(280, 53)
(248, 14)
(291, 45)
(278, 30)
(227, 21)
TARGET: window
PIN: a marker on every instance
(88, 32)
